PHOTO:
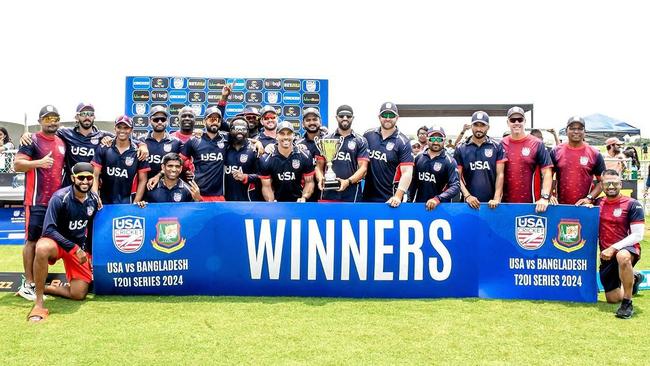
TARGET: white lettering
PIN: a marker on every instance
(273, 253)
(406, 247)
(326, 255)
(359, 252)
(382, 249)
(441, 249)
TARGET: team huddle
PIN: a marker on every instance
(72, 172)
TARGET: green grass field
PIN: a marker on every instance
(116, 330)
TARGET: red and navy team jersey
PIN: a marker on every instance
(523, 156)
(616, 216)
(434, 178)
(67, 219)
(208, 156)
(246, 161)
(386, 157)
(181, 137)
(119, 173)
(575, 169)
(178, 193)
(79, 148)
(265, 140)
(287, 173)
(346, 163)
(477, 166)
(41, 183)
(315, 154)
(158, 149)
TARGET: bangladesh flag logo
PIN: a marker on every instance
(168, 235)
(569, 235)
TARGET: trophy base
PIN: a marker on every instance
(331, 185)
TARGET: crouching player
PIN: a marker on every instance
(69, 214)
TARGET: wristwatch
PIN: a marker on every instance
(545, 196)
(590, 197)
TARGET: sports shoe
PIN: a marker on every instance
(638, 279)
(626, 309)
(27, 291)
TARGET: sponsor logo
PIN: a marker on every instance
(291, 97)
(569, 236)
(174, 121)
(140, 108)
(254, 84)
(90, 210)
(352, 145)
(291, 111)
(139, 134)
(311, 85)
(129, 160)
(160, 83)
(140, 83)
(178, 83)
(488, 153)
(197, 108)
(254, 97)
(311, 98)
(389, 146)
(530, 231)
(291, 84)
(243, 158)
(177, 196)
(159, 95)
(618, 212)
(140, 121)
(196, 84)
(278, 110)
(273, 97)
(175, 108)
(525, 151)
(584, 160)
(128, 233)
(273, 84)
(237, 84)
(217, 84)
(437, 166)
(178, 96)
(197, 97)
(214, 97)
(236, 97)
(295, 163)
(168, 236)
(233, 109)
(167, 147)
(295, 123)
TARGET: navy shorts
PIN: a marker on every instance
(34, 217)
(609, 272)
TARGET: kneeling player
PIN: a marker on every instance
(69, 214)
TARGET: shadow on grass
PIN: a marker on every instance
(56, 304)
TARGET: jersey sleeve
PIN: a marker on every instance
(308, 163)
(458, 157)
(50, 227)
(635, 213)
(28, 151)
(143, 166)
(501, 153)
(99, 158)
(264, 167)
(543, 157)
(362, 149)
(599, 168)
(553, 156)
(405, 154)
(187, 149)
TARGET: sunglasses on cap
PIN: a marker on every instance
(85, 177)
(388, 115)
(86, 113)
(436, 139)
(516, 120)
(159, 119)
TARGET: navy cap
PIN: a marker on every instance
(82, 167)
(344, 110)
(389, 107)
(124, 119)
(515, 110)
(250, 110)
(213, 110)
(158, 109)
(285, 125)
(310, 110)
(266, 109)
(438, 130)
(576, 119)
(480, 116)
(81, 106)
(47, 110)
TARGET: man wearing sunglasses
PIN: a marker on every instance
(391, 161)
(252, 117)
(69, 214)
(187, 116)
(481, 162)
(241, 180)
(576, 164)
(351, 161)
(622, 225)
(42, 162)
(311, 122)
(525, 153)
(435, 178)
(269, 120)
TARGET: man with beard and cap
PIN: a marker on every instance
(391, 161)
(252, 117)
(576, 164)
(481, 165)
(119, 176)
(525, 153)
(622, 225)
(269, 120)
(42, 162)
(69, 213)
(187, 116)
(615, 159)
(241, 180)
(171, 188)
(435, 178)
(311, 123)
(351, 162)
(283, 170)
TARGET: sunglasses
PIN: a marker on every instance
(86, 114)
(213, 118)
(611, 184)
(517, 120)
(51, 119)
(85, 177)
(239, 129)
(436, 139)
(344, 116)
(388, 115)
(159, 119)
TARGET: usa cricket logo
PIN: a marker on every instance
(128, 233)
(530, 231)
(569, 236)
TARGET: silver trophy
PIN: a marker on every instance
(328, 149)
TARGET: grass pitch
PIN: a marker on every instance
(198, 330)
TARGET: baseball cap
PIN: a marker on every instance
(310, 110)
(437, 130)
(613, 141)
(250, 110)
(576, 119)
(213, 110)
(158, 109)
(480, 116)
(81, 106)
(186, 109)
(415, 142)
(82, 167)
(47, 110)
(515, 110)
(266, 109)
(124, 119)
(344, 110)
(285, 125)
(389, 107)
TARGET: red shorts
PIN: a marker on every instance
(212, 199)
(73, 269)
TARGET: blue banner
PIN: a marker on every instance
(12, 226)
(372, 250)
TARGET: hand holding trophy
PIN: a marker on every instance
(329, 148)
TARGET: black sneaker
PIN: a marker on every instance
(638, 279)
(626, 309)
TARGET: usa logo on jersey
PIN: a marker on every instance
(525, 151)
(488, 153)
(295, 163)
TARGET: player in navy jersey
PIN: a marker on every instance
(252, 117)
(391, 162)
(311, 122)
(42, 162)
(351, 162)
(283, 170)
(435, 178)
(480, 165)
(269, 120)
(187, 116)
(622, 225)
(69, 213)
(576, 164)
(118, 172)
(241, 180)
(525, 153)
(171, 188)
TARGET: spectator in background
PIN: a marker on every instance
(644, 151)
(466, 127)
(450, 148)
(615, 159)
(416, 147)
(422, 136)
(630, 152)
(5, 141)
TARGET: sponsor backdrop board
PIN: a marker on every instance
(289, 96)
(12, 226)
(289, 249)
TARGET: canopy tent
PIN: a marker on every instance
(600, 127)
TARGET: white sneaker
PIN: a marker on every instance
(28, 291)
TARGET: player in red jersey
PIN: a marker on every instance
(42, 161)
(622, 224)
